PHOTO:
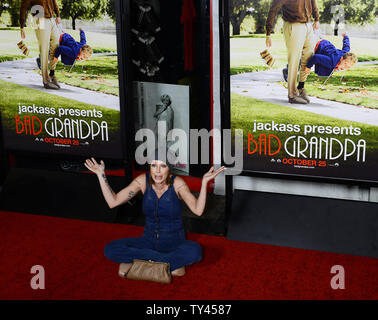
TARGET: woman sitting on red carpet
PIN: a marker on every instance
(163, 239)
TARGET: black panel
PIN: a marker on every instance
(4, 158)
(330, 225)
(67, 195)
(165, 38)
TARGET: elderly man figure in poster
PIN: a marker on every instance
(46, 16)
(299, 37)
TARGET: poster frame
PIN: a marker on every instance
(227, 116)
(123, 129)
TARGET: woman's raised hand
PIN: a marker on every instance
(211, 174)
(92, 165)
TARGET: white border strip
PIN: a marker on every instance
(219, 185)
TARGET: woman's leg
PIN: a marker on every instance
(127, 249)
(185, 254)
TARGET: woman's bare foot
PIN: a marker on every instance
(178, 272)
(123, 269)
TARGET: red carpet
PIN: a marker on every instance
(71, 252)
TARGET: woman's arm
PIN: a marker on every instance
(113, 199)
(196, 205)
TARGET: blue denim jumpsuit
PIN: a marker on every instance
(163, 239)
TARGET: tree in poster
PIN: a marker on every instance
(83, 9)
(238, 9)
(13, 8)
(3, 6)
(259, 9)
(110, 10)
(260, 13)
(352, 11)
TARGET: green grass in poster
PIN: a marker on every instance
(13, 94)
(357, 86)
(245, 50)
(244, 110)
(99, 73)
(11, 57)
(10, 37)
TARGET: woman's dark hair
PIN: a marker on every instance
(168, 181)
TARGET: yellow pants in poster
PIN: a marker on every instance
(47, 34)
(300, 43)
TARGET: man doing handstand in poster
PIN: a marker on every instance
(69, 50)
(328, 59)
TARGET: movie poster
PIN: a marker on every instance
(59, 78)
(316, 115)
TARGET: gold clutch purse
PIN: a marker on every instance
(150, 271)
